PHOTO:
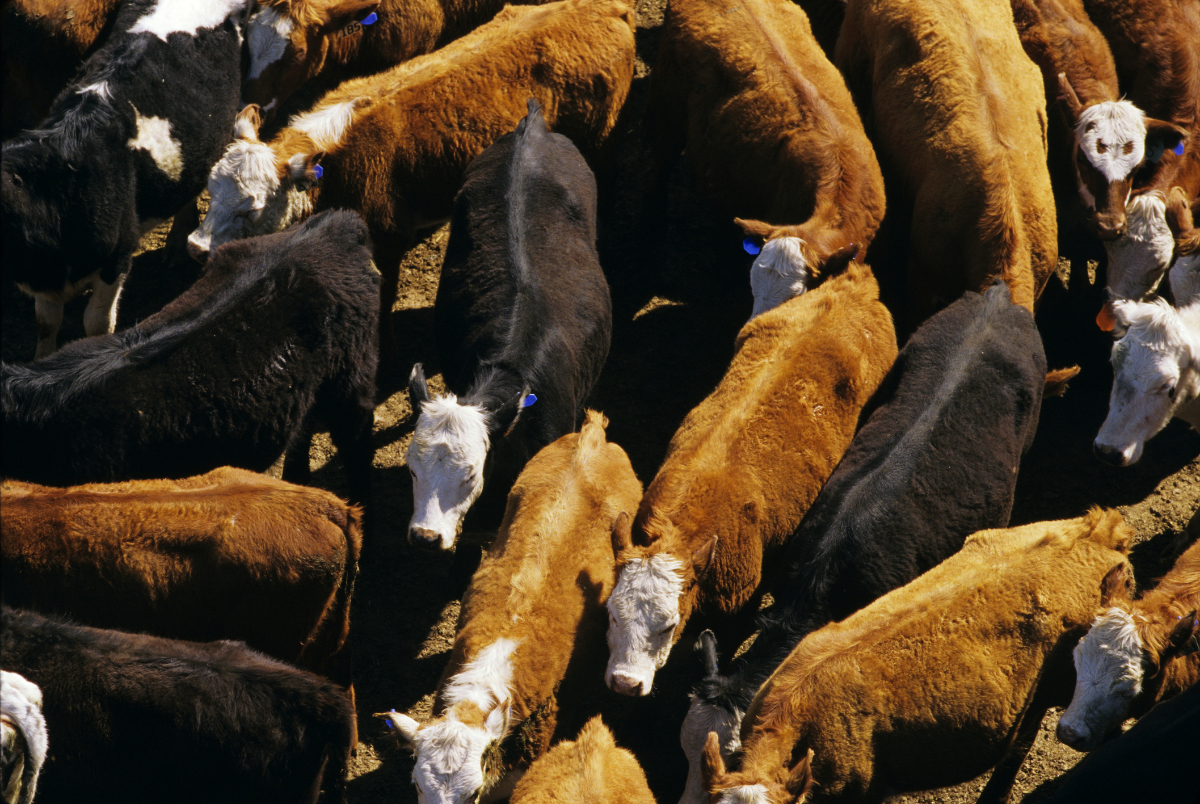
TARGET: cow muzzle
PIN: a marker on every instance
(628, 685)
(1109, 455)
(1110, 226)
(1071, 736)
(196, 251)
(425, 539)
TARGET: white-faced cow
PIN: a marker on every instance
(127, 144)
(23, 742)
(522, 311)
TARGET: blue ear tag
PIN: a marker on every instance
(317, 171)
(388, 720)
(1178, 149)
(529, 400)
(750, 246)
(369, 19)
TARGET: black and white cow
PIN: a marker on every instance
(935, 462)
(23, 741)
(127, 144)
(279, 329)
(523, 311)
(148, 719)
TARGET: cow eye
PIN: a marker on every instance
(1127, 148)
(1169, 389)
(1101, 147)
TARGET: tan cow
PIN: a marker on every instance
(771, 132)
(744, 467)
(535, 604)
(958, 118)
(932, 683)
(590, 770)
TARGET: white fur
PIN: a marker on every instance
(326, 124)
(1160, 351)
(1138, 259)
(154, 137)
(1185, 280)
(779, 273)
(100, 315)
(701, 719)
(446, 460)
(744, 794)
(1108, 676)
(100, 88)
(270, 30)
(21, 703)
(643, 614)
(1113, 125)
(184, 16)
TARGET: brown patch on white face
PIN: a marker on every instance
(1104, 199)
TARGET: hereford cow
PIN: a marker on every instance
(744, 467)
(932, 683)
(279, 330)
(771, 131)
(396, 146)
(936, 461)
(523, 313)
(24, 744)
(525, 665)
(958, 118)
(187, 559)
(190, 722)
(1137, 653)
(590, 770)
(127, 144)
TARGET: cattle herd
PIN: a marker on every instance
(815, 589)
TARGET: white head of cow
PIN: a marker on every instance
(1156, 376)
(780, 272)
(1138, 259)
(703, 718)
(1108, 676)
(1112, 135)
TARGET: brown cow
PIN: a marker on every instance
(395, 146)
(959, 123)
(1139, 652)
(590, 770)
(535, 604)
(929, 685)
(744, 467)
(771, 131)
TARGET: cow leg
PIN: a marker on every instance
(296, 466)
(388, 253)
(350, 430)
(49, 315)
(100, 315)
(1004, 775)
(186, 221)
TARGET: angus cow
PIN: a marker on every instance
(526, 661)
(744, 467)
(24, 744)
(771, 132)
(522, 312)
(163, 720)
(396, 146)
(934, 682)
(1137, 653)
(187, 559)
(279, 330)
(935, 462)
(590, 770)
(958, 118)
(127, 144)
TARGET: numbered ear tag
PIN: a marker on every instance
(318, 171)
(529, 400)
(369, 19)
(750, 246)
(1178, 149)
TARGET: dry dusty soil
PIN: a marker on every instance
(680, 293)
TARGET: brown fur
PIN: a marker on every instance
(959, 122)
(590, 770)
(927, 686)
(1181, 216)
(747, 462)
(769, 125)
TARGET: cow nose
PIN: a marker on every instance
(1110, 228)
(626, 686)
(1069, 736)
(1107, 454)
(197, 252)
(424, 538)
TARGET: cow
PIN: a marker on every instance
(186, 559)
(957, 114)
(771, 131)
(935, 462)
(396, 146)
(589, 770)
(277, 331)
(523, 313)
(24, 744)
(165, 720)
(127, 144)
(526, 661)
(744, 467)
(1184, 277)
(1137, 653)
(936, 681)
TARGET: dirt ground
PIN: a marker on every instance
(680, 293)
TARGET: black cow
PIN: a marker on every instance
(279, 328)
(147, 719)
(935, 462)
(127, 144)
(522, 312)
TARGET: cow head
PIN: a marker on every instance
(289, 42)
(704, 717)
(785, 786)
(251, 191)
(1156, 373)
(1138, 259)
(788, 265)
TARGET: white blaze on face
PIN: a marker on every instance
(1138, 259)
(1113, 137)
(154, 137)
(701, 719)
(185, 16)
(446, 459)
(1108, 675)
(779, 273)
(270, 30)
(745, 794)
(643, 612)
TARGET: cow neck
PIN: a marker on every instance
(1157, 614)
(494, 384)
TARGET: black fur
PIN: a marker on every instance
(278, 329)
(145, 719)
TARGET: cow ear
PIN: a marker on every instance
(1161, 133)
(1184, 638)
(838, 261)
(622, 534)
(339, 14)
(1117, 585)
(702, 558)
(1068, 96)
(1179, 214)
(418, 389)
(1056, 381)
(506, 416)
(305, 169)
(248, 122)
(706, 646)
(800, 781)
(404, 727)
(712, 766)
(755, 228)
